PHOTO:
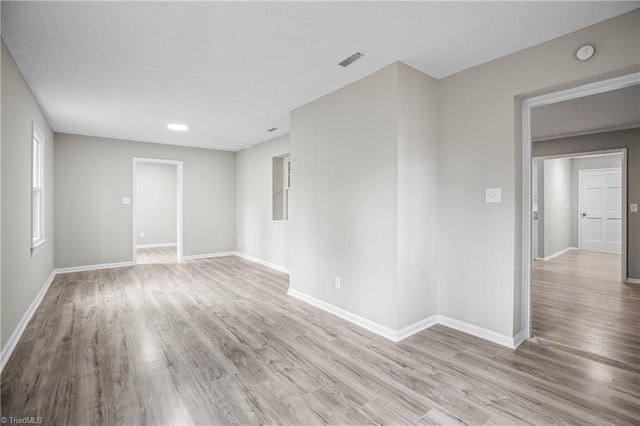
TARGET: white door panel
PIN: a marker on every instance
(600, 194)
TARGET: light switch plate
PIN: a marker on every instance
(126, 200)
(493, 195)
(633, 208)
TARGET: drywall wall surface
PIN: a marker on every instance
(23, 275)
(629, 139)
(257, 234)
(557, 206)
(417, 195)
(586, 163)
(480, 244)
(94, 174)
(344, 197)
(156, 203)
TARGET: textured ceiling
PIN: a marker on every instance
(610, 110)
(232, 70)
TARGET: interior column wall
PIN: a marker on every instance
(417, 195)
(345, 198)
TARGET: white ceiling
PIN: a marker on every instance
(232, 70)
(610, 110)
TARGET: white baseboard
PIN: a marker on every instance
(346, 315)
(156, 245)
(474, 330)
(560, 253)
(92, 267)
(633, 281)
(8, 348)
(518, 339)
(263, 262)
(416, 327)
(209, 255)
(396, 336)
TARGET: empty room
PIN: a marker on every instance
(302, 213)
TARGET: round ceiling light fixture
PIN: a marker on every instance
(585, 52)
(177, 127)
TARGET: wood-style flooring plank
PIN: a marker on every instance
(218, 341)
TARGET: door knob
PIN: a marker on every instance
(584, 214)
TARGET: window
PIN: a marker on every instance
(287, 186)
(37, 190)
(281, 187)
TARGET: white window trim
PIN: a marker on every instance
(39, 215)
(286, 190)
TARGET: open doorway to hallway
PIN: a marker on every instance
(157, 211)
(578, 298)
(584, 188)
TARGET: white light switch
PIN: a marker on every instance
(126, 200)
(633, 208)
(493, 195)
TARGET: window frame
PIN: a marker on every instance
(286, 178)
(38, 237)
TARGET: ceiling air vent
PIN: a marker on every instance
(273, 129)
(351, 59)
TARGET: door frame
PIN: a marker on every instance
(623, 207)
(528, 104)
(179, 196)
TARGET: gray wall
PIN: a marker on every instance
(156, 203)
(557, 206)
(22, 275)
(364, 197)
(94, 174)
(257, 234)
(577, 164)
(417, 195)
(480, 245)
(629, 139)
(345, 197)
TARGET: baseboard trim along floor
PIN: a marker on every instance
(208, 255)
(8, 348)
(398, 335)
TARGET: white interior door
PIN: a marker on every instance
(601, 210)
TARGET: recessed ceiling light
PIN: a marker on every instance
(177, 127)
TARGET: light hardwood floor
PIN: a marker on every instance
(218, 341)
(156, 255)
(580, 302)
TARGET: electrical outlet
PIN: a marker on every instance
(633, 207)
(142, 235)
(338, 283)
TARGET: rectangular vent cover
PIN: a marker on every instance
(351, 59)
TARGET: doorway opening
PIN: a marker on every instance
(577, 251)
(157, 211)
(572, 250)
